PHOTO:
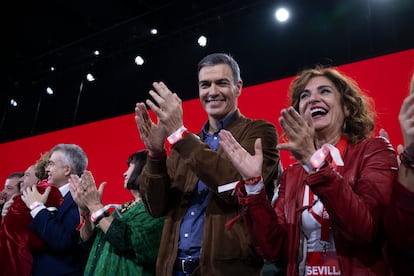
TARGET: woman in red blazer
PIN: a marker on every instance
(328, 217)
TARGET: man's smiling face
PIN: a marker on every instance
(217, 91)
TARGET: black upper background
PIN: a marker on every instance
(39, 34)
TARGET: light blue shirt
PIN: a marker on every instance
(191, 231)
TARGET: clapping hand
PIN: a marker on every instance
(168, 108)
(300, 133)
(248, 165)
(152, 135)
(85, 193)
(406, 118)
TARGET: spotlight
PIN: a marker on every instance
(154, 31)
(96, 53)
(90, 77)
(282, 14)
(202, 41)
(49, 90)
(139, 60)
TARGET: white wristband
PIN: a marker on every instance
(254, 189)
(100, 212)
(318, 158)
(176, 135)
(35, 205)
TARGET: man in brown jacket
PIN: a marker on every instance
(193, 186)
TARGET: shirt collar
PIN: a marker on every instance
(221, 124)
(64, 189)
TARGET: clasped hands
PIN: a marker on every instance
(167, 106)
(85, 194)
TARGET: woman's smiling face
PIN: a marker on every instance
(321, 102)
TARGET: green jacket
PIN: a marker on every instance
(129, 247)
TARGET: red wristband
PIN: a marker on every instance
(81, 223)
(178, 135)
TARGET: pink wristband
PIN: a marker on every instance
(177, 135)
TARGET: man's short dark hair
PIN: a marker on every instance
(220, 58)
(16, 175)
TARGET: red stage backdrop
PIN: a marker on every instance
(108, 143)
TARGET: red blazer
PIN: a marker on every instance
(17, 240)
(355, 197)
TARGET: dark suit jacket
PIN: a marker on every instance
(65, 255)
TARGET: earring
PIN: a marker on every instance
(344, 126)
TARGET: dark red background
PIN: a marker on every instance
(108, 143)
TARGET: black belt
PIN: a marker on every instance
(186, 265)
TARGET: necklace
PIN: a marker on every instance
(128, 205)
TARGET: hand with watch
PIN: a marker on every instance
(101, 213)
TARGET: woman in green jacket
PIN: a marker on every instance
(126, 242)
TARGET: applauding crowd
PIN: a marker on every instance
(218, 201)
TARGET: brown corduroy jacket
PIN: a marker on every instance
(166, 188)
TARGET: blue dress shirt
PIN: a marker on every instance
(191, 231)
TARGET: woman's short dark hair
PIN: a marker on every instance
(139, 159)
(360, 122)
